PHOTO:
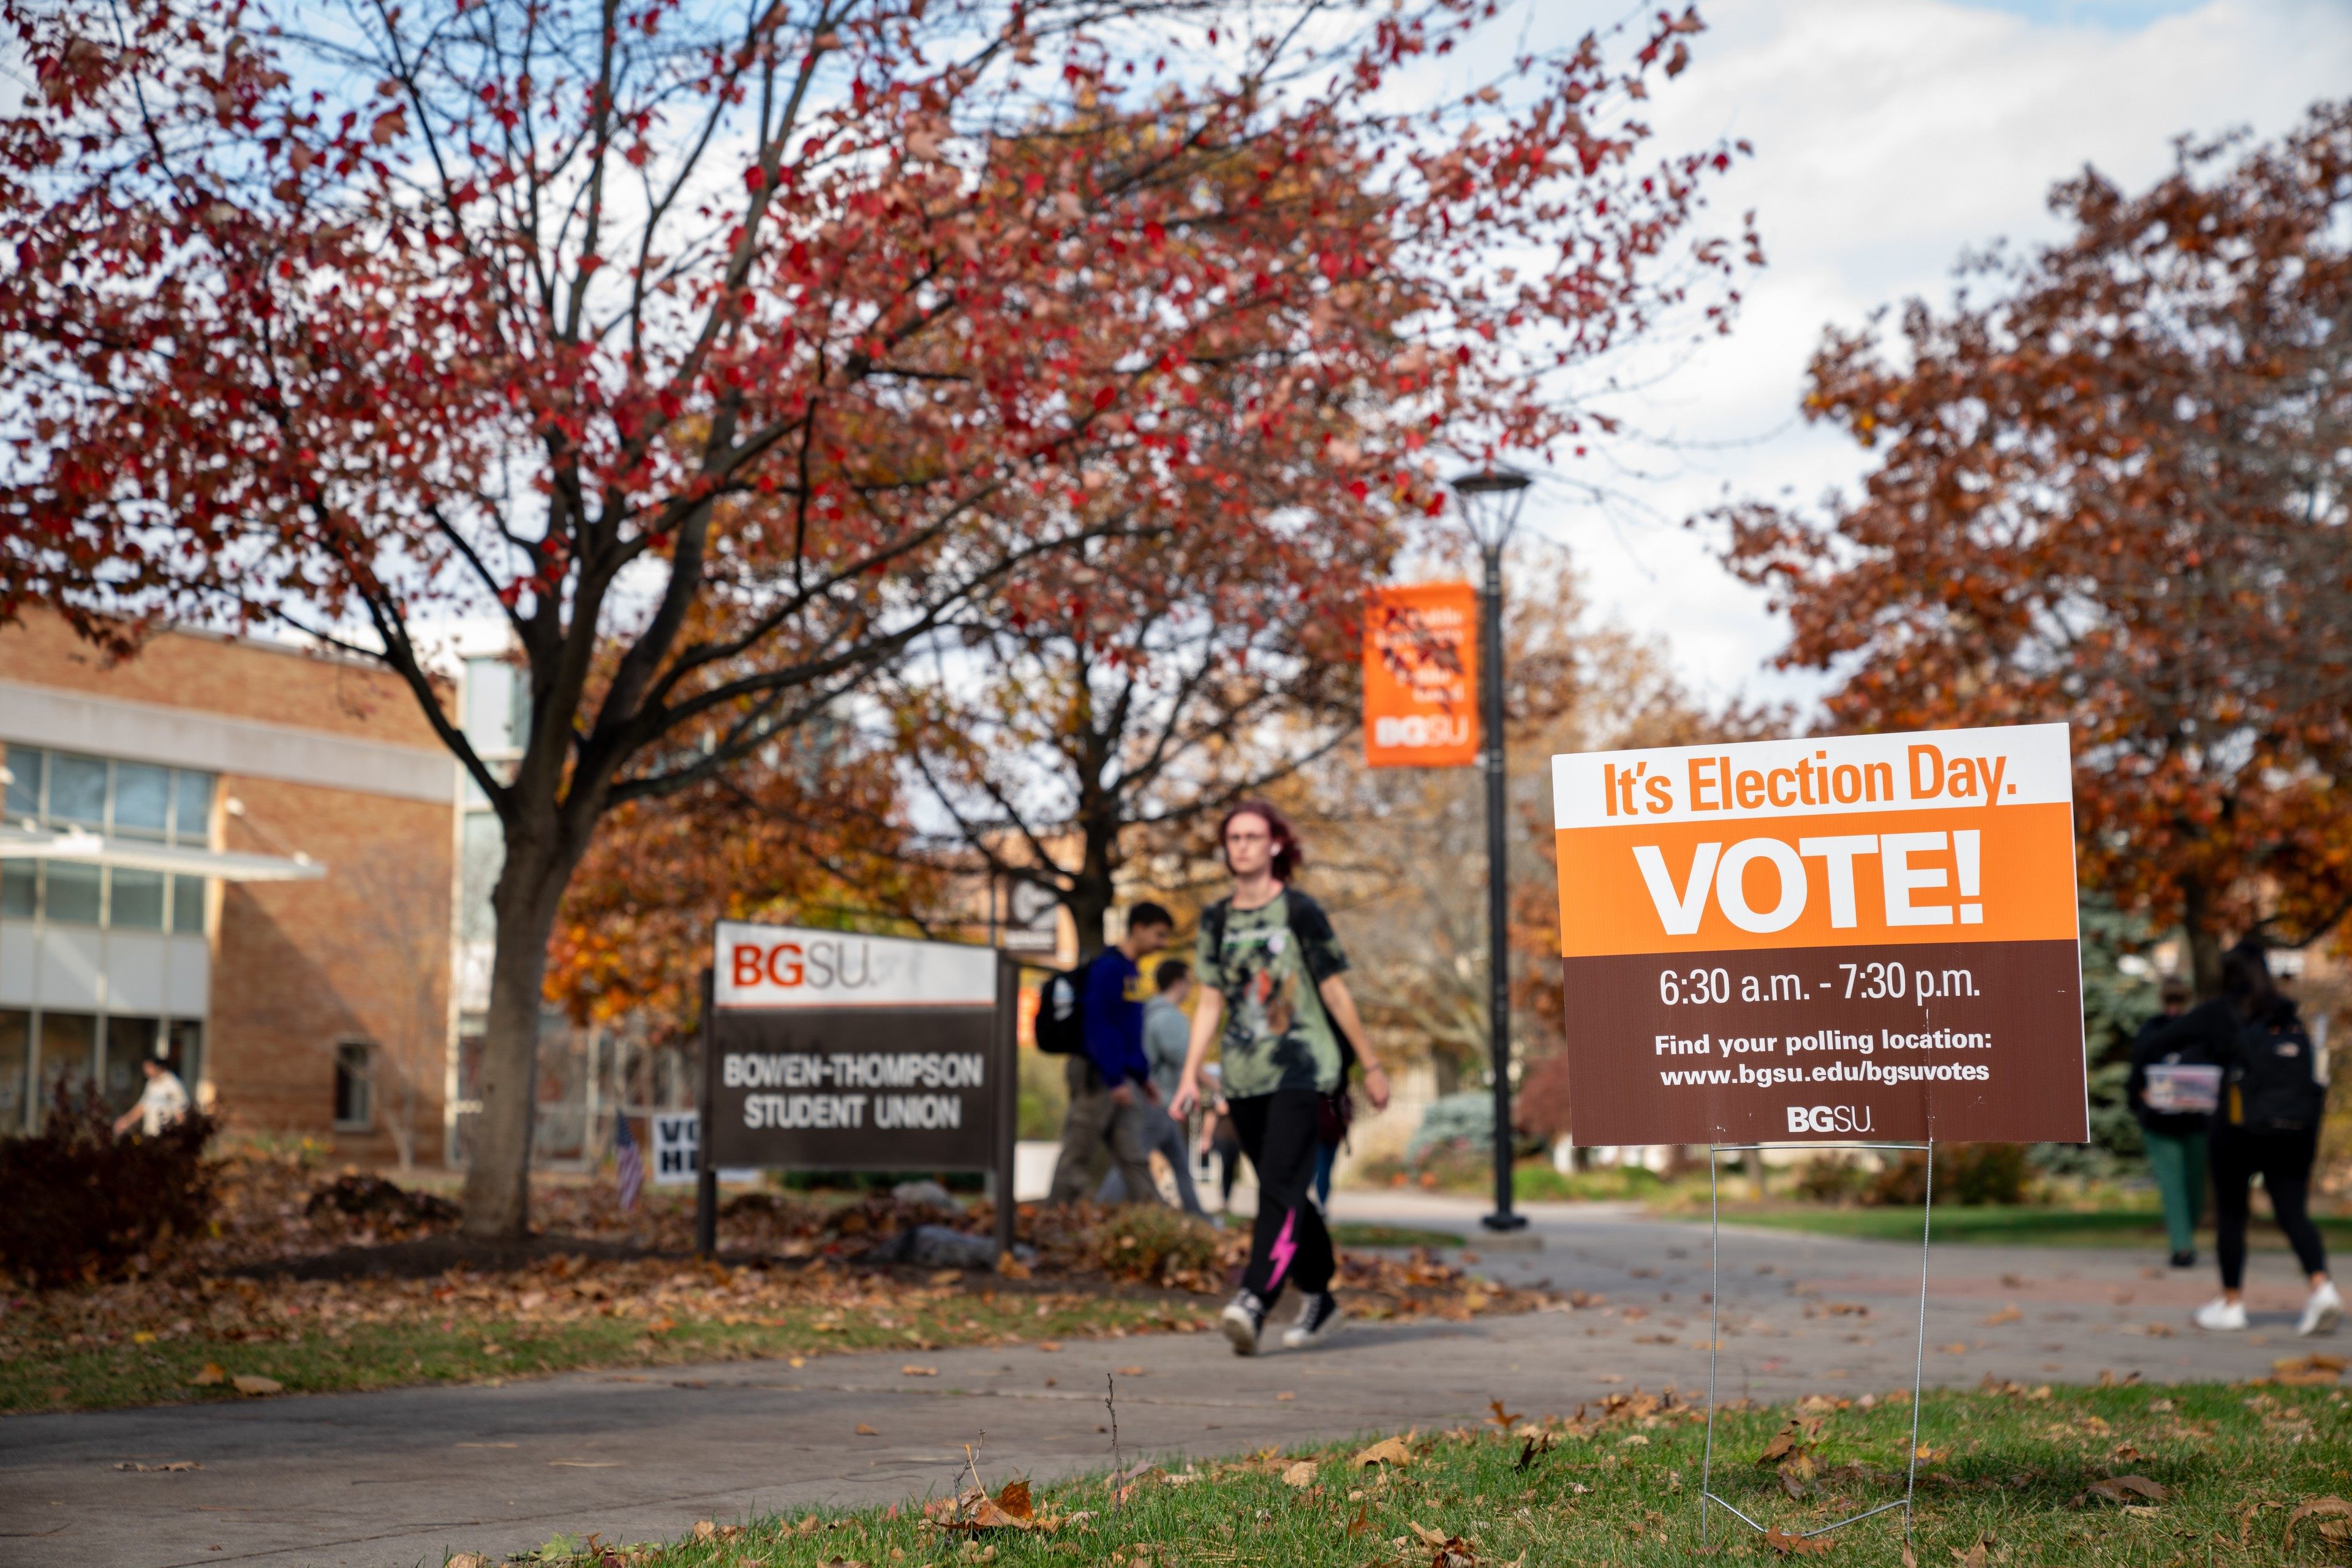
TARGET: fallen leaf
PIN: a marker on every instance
(255, 1386)
(212, 1376)
(2318, 1507)
(946, 1276)
(1974, 1557)
(1013, 1498)
(1955, 1348)
(911, 1370)
(2121, 1488)
(1132, 1372)
(1792, 1438)
(865, 1431)
(1790, 1545)
(1301, 1474)
(160, 1469)
(2309, 1370)
(469, 1560)
(1284, 1396)
(1387, 1451)
(2008, 1315)
(1049, 1345)
(1503, 1418)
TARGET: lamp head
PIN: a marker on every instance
(1490, 499)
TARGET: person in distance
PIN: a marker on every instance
(1112, 1099)
(2267, 1122)
(1273, 1002)
(1167, 1033)
(2174, 1132)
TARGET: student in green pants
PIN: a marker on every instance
(2175, 1137)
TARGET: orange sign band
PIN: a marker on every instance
(1998, 873)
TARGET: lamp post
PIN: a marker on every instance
(1490, 500)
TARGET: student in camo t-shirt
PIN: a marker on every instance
(1272, 1000)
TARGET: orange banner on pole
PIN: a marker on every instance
(1421, 677)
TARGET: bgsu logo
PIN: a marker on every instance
(1828, 1118)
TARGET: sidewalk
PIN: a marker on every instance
(398, 1478)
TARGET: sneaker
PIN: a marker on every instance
(2322, 1312)
(1242, 1319)
(2184, 1260)
(2222, 1315)
(1316, 1315)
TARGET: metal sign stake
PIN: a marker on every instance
(1707, 1494)
(705, 1174)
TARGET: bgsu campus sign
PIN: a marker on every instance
(1855, 938)
(831, 1050)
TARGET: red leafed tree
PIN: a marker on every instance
(808, 834)
(729, 354)
(2110, 488)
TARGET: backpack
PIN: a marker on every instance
(1061, 1026)
(2276, 1085)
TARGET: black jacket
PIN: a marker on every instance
(2168, 1041)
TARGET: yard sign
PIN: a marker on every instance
(1863, 937)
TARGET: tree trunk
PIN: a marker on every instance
(2204, 941)
(498, 1177)
(1088, 901)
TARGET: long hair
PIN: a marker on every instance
(2246, 979)
(1288, 853)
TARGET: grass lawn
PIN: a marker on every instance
(383, 1355)
(2017, 1226)
(2006, 1480)
(1358, 1233)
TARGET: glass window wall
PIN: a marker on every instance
(121, 800)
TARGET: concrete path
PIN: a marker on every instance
(401, 1477)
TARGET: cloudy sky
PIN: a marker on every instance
(1890, 137)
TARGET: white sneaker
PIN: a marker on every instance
(2222, 1315)
(2322, 1312)
(1316, 1314)
(1243, 1320)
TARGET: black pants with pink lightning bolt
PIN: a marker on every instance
(1279, 1132)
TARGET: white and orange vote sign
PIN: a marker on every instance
(1421, 676)
(1852, 938)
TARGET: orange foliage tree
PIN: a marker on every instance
(2110, 487)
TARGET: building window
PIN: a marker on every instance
(120, 800)
(355, 1087)
(497, 706)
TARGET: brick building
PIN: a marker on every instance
(242, 856)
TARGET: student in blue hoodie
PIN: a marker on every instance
(1112, 1099)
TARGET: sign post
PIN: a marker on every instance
(1861, 940)
(836, 1051)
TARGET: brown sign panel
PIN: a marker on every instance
(1859, 938)
(836, 1051)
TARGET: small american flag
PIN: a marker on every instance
(628, 1163)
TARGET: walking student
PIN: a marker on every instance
(1167, 1034)
(1273, 1002)
(2267, 1124)
(2173, 1118)
(1112, 1101)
